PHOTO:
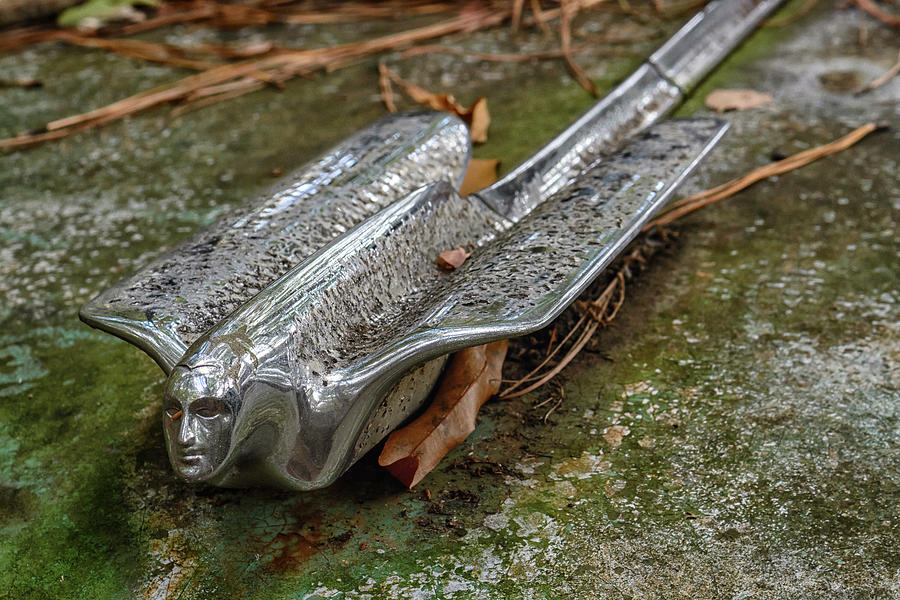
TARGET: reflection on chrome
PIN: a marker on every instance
(314, 321)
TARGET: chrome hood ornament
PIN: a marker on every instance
(298, 332)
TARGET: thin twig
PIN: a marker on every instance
(876, 11)
(544, 402)
(276, 67)
(602, 310)
(569, 9)
(287, 64)
(621, 287)
(530, 376)
(571, 354)
(160, 53)
(698, 201)
(214, 94)
(164, 18)
(517, 14)
(539, 17)
(551, 341)
(554, 407)
(880, 81)
(387, 91)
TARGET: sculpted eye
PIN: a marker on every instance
(174, 411)
(207, 408)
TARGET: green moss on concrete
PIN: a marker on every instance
(751, 375)
(66, 460)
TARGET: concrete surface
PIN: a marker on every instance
(735, 434)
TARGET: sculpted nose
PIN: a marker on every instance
(186, 434)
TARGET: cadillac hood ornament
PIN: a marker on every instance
(300, 330)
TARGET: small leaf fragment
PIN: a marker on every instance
(472, 377)
(476, 116)
(723, 100)
(22, 83)
(453, 259)
(479, 119)
(481, 173)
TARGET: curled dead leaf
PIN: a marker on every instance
(723, 100)
(481, 173)
(476, 116)
(453, 259)
(472, 376)
(479, 119)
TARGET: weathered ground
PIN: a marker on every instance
(738, 435)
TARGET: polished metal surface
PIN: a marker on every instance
(297, 395)
(648, 94)
(165, 306)
(286, 375)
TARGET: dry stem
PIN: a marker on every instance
(698, 201)
(276, 68)
(876, 11)
(601, 311)
(884, 78)
(569, 10)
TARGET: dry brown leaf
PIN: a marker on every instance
(479, 119)
(472, 377)
(481, 173)
(476, 116)
(453, 259)
(722, 100)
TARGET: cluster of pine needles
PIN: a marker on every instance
(228, 71)
(600, 309)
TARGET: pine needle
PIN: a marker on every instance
(602, 310)
(698, 201)
(276, 68)
(883, 79)
(876, 11)
(569, 10)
